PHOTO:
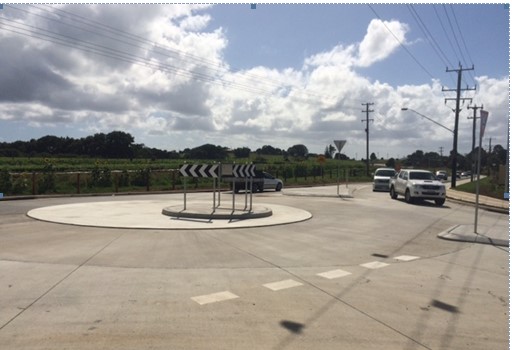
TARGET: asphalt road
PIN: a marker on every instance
(363, 273)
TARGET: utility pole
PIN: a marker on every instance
(457, 110)
(474, 108)
(490, 139)
(367, 111)
(441, 151)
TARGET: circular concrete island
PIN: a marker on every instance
(168, 215)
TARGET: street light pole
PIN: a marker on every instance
(424, 116)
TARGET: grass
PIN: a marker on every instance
(488, 187)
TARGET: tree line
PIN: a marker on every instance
(121, 145)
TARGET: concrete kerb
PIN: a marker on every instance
(204, 211)
(147, 214)
(329, 191)
(461, 233)
(457, 199)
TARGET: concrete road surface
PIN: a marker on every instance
(365, 272)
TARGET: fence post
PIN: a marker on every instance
(78, 183)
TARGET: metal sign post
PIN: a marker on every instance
(246, 190)
(184, 193)
(214, 206)
(483, 121)
(250, 205)
(339, 145)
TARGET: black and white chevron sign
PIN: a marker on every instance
(244, 170)
(199, 170)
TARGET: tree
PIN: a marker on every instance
(207, 151)
(95, 146)
(242, 152)
(414, 159)
(49, 144)
(298, 151)
(391, 163)
(269, 150)
(373, 158)
(498, 155)
(119, 145)
(329, 151)
(341, 156)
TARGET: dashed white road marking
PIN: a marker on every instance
(374, 265)
(334, 274)
(275, 286)
(406, 257)
(215, 297)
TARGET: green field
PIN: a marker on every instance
(488, 187)
(73, 175)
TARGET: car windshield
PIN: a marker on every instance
(416, 175)
(383, 172)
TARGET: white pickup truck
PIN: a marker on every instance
(416, 184)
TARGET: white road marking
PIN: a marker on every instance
(406, 257)
(275, 286)
(334, 274)
(215, 297)
(374, 265)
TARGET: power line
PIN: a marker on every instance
(168, 51)
(105, 51)
(455, 38)
(463, 41)
(430, 38)
(446, 33)
(401, 44)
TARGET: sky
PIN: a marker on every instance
(179, 76)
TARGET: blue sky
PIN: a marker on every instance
(282, 36)
(241, 77)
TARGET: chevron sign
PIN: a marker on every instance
(199, 170)
(245, 170)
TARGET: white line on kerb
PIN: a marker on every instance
(275, 286)
(334, 274)
(374, 265)
(406, 257)
(213, 298)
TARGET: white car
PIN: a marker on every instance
(416, 184)
(381, 179)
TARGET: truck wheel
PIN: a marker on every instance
(408, 197)
(440, 202)
(279, 187)
(392, 193)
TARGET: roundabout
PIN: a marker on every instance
(163, 214)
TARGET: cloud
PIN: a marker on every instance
(177, 91)
(382, 38)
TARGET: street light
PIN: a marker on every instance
(454, 155)
(424, 116)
